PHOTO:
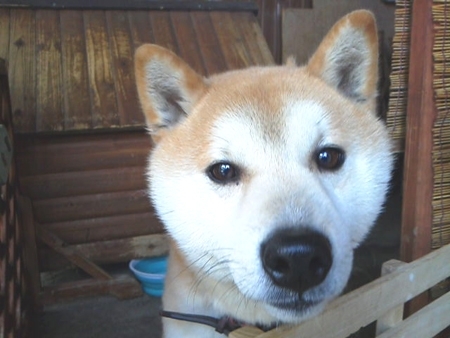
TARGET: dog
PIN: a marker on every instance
(266, 178)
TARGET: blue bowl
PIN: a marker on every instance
(151, 273)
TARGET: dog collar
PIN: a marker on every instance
(224, 325)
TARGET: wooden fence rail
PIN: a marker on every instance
(380, 299)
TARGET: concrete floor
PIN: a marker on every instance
(106, 317)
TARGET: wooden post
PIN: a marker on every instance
(394, 316)
(421, 112)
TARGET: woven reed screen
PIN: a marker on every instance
(396, 116)
(13, 316)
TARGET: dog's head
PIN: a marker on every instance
(267, 178)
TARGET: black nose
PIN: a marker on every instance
(296, 259)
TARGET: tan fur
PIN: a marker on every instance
(269, 122)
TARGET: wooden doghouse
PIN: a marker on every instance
(81, 147)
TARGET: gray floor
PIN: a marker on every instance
(107, 317)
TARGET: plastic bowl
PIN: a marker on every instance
(151, 273)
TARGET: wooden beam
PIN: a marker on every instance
(221, 5)
(122, 287)
(417, 208)
(71, 253)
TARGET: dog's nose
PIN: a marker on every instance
(296, 259)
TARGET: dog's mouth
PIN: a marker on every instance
(295, 304)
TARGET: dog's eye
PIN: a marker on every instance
(222, 172)
(330, 158)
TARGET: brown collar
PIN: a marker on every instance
(223, 325)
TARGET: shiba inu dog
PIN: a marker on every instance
(265, 178)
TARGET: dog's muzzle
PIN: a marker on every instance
(296, 259)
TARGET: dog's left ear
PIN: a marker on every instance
(347, 58)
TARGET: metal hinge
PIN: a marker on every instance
(5, 154)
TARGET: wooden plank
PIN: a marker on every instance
(255, 43)
(122, 51)
(122, 287)
(98, 205)
(214, 61)
(183, 5)
(22, 69)
(364, 305)
(162, 30)
(417, 215)
(245, 332)
(232, 44)
(187, 40)
(83, 183)
(426, 323)
(30, 253)
(106, 228)
(49, 106)
(4, 33)
(38, 156)
(393, 317)
(100, 70)
(106, 252)
(140, 28)
(71, 253)
(77, 104)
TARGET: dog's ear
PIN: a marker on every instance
(167, 87)
(347, 58)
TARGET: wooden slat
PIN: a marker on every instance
(232, 45)
(122, 51)
(106, 228)
(368, 303)
(71, 253)
(4, 33)
(254, 42)
(187, 40)
(30, 253)
(113, 251)
(22, 69)
(100, 70)
(213, 58)
(49, 106)
(48, 155)
(261, 42)
(83, 183)
(417, 208)
(184, 5)
(140, 28)
(122, 287)
(162, 30)
(82, 207)
(77, 105)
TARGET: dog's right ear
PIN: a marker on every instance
(167, 87)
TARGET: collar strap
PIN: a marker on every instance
(224, 325)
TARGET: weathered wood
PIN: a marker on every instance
(163, 30)
(187, 40)
(213, 59)
(100, 70)
(107, 228)
(87, 206)
(71, 253)
(4, 33)
(393, 317)
(348, 313)
(221, 5)
(245, 332)
(113, 251)
(140, 28)
(84, 182)
(49, 106)
(233, 47)
(417, 215)
(77, 108)
(122, 51)
(121, 286)
(30, 253)
(22, 69)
